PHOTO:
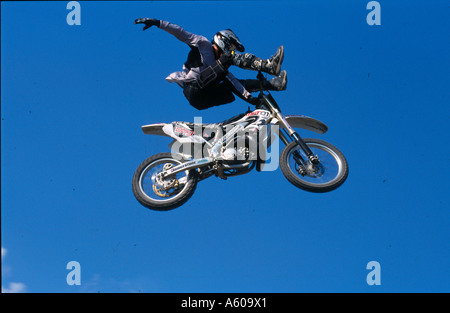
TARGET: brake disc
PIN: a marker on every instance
(168, 190)
(166, 187)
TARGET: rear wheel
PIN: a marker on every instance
(327, 175)
(162, 194)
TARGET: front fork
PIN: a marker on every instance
(302, 170)
(314, 159)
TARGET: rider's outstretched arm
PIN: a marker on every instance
(182, 34)
(173, 29)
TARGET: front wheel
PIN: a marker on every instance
(162, 193)
(328, 174)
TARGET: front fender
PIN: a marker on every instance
(306, 122)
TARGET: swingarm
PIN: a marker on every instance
(188, 166)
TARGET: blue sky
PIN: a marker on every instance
(73, 99)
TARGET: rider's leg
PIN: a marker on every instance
(215, 94)
(249, 61)
(276, 84)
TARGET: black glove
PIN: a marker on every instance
(149, 22)
(253, 100)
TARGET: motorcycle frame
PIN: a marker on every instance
(266, 102)
(215, 153)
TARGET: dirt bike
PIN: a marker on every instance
(235, 147)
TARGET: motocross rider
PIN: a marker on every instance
(205, 78)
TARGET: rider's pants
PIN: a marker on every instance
(214, 94)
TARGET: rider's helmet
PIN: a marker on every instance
(226, 40)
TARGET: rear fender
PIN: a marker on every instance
(154, 129)
(187, 147)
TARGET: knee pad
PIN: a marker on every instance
(245, 60)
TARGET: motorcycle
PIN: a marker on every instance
(234, 147)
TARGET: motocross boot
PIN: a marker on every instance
(249, 61)
(275, 84)
(278, 83)
(272, 66)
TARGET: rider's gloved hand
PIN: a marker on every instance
(149, 22)
(252, 100)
